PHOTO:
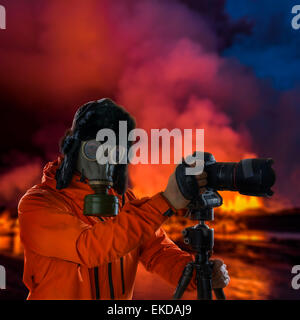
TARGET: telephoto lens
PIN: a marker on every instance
(252, 177)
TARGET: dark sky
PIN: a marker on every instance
(272, 51)
(230, 67)
(273, 48)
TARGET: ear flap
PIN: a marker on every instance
(68, 144)
(120, 178)
(65, 172)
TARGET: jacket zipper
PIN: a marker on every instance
(96, 276)
(111, 285)
(122, 275)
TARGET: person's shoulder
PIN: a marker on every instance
(42, 197)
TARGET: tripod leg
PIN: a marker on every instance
(219, 293)
(203, 279)
(184, 281)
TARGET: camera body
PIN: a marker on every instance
(252, 177)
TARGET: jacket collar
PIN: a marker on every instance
(76, 191)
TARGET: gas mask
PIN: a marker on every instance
(99, 166)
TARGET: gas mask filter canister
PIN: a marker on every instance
(97, 165)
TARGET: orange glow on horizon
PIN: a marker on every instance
(238, 203)
(150, 179)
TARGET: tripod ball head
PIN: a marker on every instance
(199, 237)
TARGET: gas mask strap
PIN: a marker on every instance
(82, 177)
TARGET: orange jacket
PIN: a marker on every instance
(71, 256)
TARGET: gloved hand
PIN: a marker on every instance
(220, 277)
(175, 197)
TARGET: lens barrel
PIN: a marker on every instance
(253, 177)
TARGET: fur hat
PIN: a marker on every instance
(88, 120)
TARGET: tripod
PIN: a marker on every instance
(200, 238)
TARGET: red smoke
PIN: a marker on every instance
(15, 182)
(157, 58)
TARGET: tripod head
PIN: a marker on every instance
(200, 237)
(201, 207)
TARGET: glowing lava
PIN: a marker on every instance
(238, 203)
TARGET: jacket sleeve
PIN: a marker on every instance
(51, 231)
(162, 256)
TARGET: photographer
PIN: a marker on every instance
(69, 255)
